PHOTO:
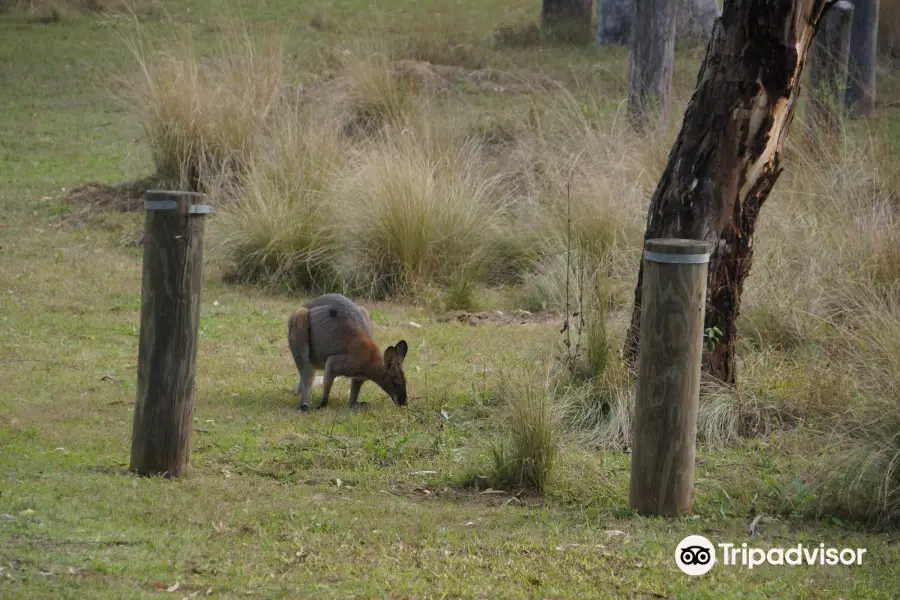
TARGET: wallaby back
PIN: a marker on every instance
(336, 326)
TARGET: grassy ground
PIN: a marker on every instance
(329, 504)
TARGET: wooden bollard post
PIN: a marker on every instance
(668, 379)
(828, 63)
(170, 319)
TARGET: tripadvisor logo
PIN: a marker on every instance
(696, 555)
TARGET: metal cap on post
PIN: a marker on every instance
(676, 251)
(668, 383)
(170, 318)
(169, 200)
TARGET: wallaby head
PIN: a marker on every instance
(394, 381)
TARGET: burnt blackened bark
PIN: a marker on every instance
(727, 155)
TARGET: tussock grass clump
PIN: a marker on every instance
(595, 396)
(585, 185)
(278, 226)
(526, 457)
(859, 473)
(599, 412)
(413, 215)
(203, 117)
(443, 47)
(369, 94)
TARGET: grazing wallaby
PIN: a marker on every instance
(333, 334)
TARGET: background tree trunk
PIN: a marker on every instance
(860, 95)
(828, 59)
(614, 22)
(889, 29)
(568, 19)
(727, 155)
(652, 59)
(693, 18)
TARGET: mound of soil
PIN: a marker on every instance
(123, 197)
(498, 317)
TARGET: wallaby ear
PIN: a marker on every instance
(402, 348)
(390, 355)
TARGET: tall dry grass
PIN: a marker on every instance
(278, 225)
(203, 117)
(528, 455)
(415, 214)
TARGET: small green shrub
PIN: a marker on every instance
(460, 292)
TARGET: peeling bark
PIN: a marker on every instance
(728, 153)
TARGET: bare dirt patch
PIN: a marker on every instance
(498, 317)
(95, 197)
(452, 77)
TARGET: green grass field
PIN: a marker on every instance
(335, 504)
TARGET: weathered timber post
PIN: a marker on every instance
(668, 380)
(170, 319)
(828, 60)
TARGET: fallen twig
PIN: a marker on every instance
(751, 531)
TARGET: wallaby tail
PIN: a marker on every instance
(299, 336)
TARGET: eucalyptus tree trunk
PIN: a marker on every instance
(727, 156)
(652, 61)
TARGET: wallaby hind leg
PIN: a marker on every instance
(327, 381)
(298, 341)
(305, 385)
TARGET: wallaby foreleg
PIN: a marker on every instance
(355, 385)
